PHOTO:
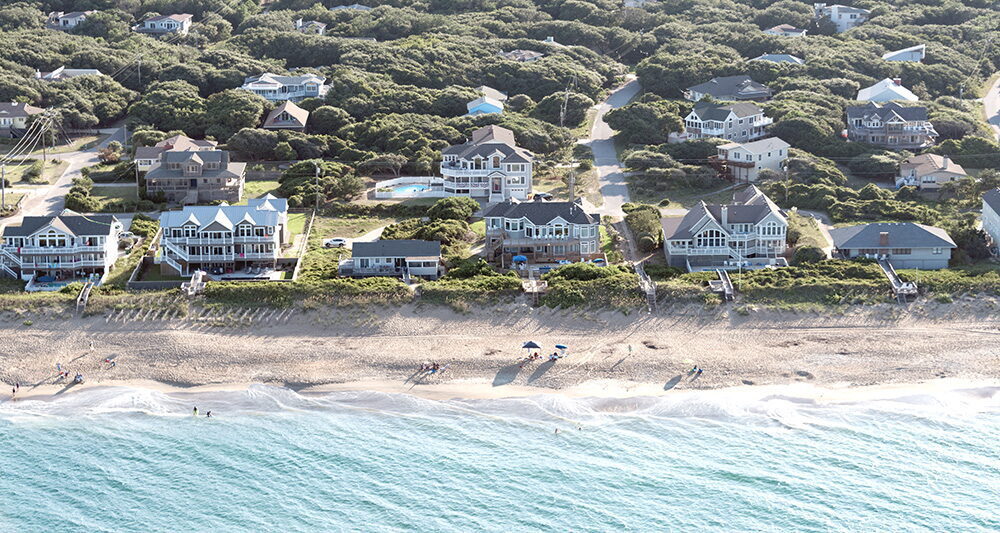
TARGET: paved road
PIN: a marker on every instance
(51, 199)
(991, 105)
(601, 142)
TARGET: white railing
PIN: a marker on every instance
(64, 264)
(170, 261)
(52, 250)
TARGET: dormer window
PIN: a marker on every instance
(496, 161)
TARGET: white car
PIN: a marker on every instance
(126, 235)
(335, 243)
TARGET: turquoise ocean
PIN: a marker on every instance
(121, 459)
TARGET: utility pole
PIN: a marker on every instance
(138, 71)
(3, 188)
(316, 207)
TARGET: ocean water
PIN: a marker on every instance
(117, 459)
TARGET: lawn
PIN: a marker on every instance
(15, 172)
(555, 181)
(682, 198)
(320, 262)
(125, 192)
(297, 222)
(10, 200)
(479, 227)
(256, 189)
(76, 144)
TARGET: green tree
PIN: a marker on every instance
(551, 107)
(171, 105)
(232, 110)
(284, 152)
(453, 208)
(328, 119)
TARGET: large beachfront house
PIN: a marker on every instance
(749, 233)
(743, 162)
(276, 88)
(224, 240)
(991, 215)
(541, 232)
(490, 165)
(843, 17)
(14, 117)
(890, 126)
(905, 244)
(193, 176)
(929, 171)
(178, 24)
(147, 157)
(729, 88)
(59, 249)
(393, 258)
(741, 121)
(887, 90)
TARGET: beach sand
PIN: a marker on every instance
(611, 354)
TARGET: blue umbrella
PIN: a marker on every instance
(519, 259)
(531, 345)
(562, 346)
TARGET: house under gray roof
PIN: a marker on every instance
(749, 206)
(485, 141)
(68, 221)
(541, 213)
(992, 199)
(394, 248)
(900, 235)
(732, 87)
(226, 168)
(886, 111)
(264, 211)
(719, 112)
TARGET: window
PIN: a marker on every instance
(710, 239)
(937, 251)
(771, 229)
(496, 162)
(901, 251)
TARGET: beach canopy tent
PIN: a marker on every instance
(519, 259)
(531, 345)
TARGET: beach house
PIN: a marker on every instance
(58, 20)
(744, 161)
(63, 73)
(541, 232)
(913, 54)
(522, 56)
(196, 176)
(277, 88)
(991, 215)
(890, 126)
(51, 251)
(741, 121)
(843, 17)
(779, 58)
(729, 88)
(490, 92)
(287, 116)
(179, 24)
(147, 157)
(786, 30)
(928, 171)
(905, 244)
(749, 233)
(14, 118)
(490, 165)
(887, 90)
(229, 242)
(311, 27)
(394, 258)
(484, 105)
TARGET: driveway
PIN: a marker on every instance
(991, 107)
(610, 173)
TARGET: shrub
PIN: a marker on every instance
(453, 208)
(644, 221)
(808, 254)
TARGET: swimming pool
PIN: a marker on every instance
(410, 189)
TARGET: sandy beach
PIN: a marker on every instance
(610, 354)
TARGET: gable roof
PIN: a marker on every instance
(396, 248)
(487, 140)
(18, 109)
(298, 116)
(901, 235)
(749, 206)
(541, 213)
(717, 111)
(277, 79)
(924, 164)
(183, 142)
(730, 86)
(258, 211)
(769, 144)
(922, 48)
(178, 17)
(887, 111)
(887, 85)
(67, 221)
(992, 199)
(492, 93)
(785, 28)
(779, 58)
(521, 55)
(358, 7)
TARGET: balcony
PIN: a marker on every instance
(52, 250)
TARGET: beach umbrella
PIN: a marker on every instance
(519, 259)
(562, 346)
(531, 345)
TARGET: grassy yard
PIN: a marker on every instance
(682, 198)
(555, 181)
(320, 262)
(297, 222)
(256, 189)
(125, 192)
(479, 227)
(83, 142)
(16, 172)
(808, 230)
(10, 200)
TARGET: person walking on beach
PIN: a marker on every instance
(196, 411)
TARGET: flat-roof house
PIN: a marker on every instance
(49, 252)
(913, 54)
(14, 117)
(743, 162)
(146, 157)
(490, 165)
(57, 20)
(228, 242)
(739, 121)
(312, 27)
(887, 90)
(166, 24)
(779, 58)
(729, 88)
(522, 56)
(843, 17)
(891, 126)
(929, 171)
(991, 215)
(905, 244)
(786, 30)
(541, 232)
(287, 116)
(484, 105)
(749, 233)
(191, 176)
(63, 73)
(393, 258)
(275, 87)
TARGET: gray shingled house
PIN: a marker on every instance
(729, 88)
(740, 121)
(891, 126)
(191, 176)
(905, 244)
(393, 258)
(542, 232)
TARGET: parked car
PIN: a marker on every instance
(126, 235)
(335, 243)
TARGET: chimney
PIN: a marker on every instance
(725, 216)
(883, 238)
(945, 161)
(897, 81)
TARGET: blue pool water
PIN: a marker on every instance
(119, 459)
(410, 189)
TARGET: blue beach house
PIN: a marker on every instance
(484, 105)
